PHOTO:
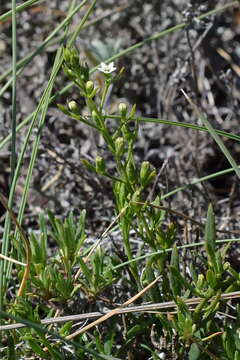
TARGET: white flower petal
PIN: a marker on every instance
(107, 68)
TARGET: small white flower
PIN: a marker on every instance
(162, 356)
(107, 68)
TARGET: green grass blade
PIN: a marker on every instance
(176, 123)
(228, 135)
(187, 246)
(19, 8)
(82, 23)
(13, 130)
(14, 90)
(215, 136)
(58, 64)
(4, 266)
(43, 105)
(164, 33)
(4, 247)
(27, 59)
(197, 181)
(47, 94)
(123, 53)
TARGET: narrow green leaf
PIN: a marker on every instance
(85, 271)
(210, 237)
(215, 136)
(175, 272)
(211, 278)
(194, 353)
(37, 349)
(176, 285)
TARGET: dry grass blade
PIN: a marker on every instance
(119, 310)
(26, 243)
(11, 260)
(113, 312)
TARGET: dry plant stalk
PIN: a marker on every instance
(113, 312)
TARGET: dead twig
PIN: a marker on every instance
(120, 310)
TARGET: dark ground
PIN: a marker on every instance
(154, 75)
(153, 79)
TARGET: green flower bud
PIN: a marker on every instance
(119, 146)
(226, 266)
(152, 176)
(67, 55)
(136, 198)
(73, 107)
(122, 107)
(131, 172)
(72, 57)
(70, 74)
(100, 165)
(144, 172)
(211, 278)
(89, 87)
(94, 115)
(147, 174)
(200, 282)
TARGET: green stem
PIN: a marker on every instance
(14, 90)
(104, 95)
(19, 8)
(118, 55)
(148, 232)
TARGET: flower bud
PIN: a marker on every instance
(73, 107)
(144, 171)
(131, 172)
(147, 174)
(100, 165)
(162, 355)
(200, 282)
(226, 265)
(94, 115)
(89, 87)
(119, 147)
(136, 198)
(67, 55)
(211, 278)
(70, 74)
(122, 107)
(152, 175)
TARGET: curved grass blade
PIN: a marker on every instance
(19, 8)
(27, 59)
(215, 136)
(43, 106)
(187, 246)
(123, 53)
